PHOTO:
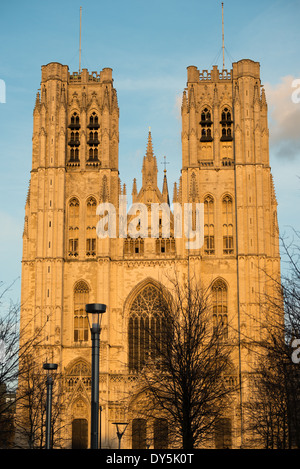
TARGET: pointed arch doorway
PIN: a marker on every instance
(79, 433)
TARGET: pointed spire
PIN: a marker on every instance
(165, 191)
(263, 97)
(180, 190)
(134, 191)
(184, 104)
(192, 102)
(256, 97)
(134, 187)
(175, 193)
(149, 170)
(114, 100)
(37, 101)
(43, 95)
(149, 151)
(124, 189)
(106, 99)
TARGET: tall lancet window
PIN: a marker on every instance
(227, 209)
(73, 228)
(93, 140)
(91, 227)
(209, 226)
(146, 327)
(74, 140)
(81, 325)
(220, 313)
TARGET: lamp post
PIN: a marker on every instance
(121, 427)
(95, 310)
(49, 382)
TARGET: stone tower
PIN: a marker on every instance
(225, 167)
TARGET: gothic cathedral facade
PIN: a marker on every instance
(65, 265)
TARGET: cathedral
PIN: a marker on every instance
(66, 264)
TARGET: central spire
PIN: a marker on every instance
(149, 165)
(149, 145)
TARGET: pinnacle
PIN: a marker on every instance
(149, 145)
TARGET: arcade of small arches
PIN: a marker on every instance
(86, 212)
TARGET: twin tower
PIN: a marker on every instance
(75, 155)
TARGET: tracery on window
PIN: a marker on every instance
(74, 140)
(73, 227)
(226, 125)
(93, 140)
(134, 246)
(165, 245)
(209, 227)
(81, 297)
(146, 327)
(227, 215)
(91, 222)
(220, 314)
(206, 125)
(80, 372)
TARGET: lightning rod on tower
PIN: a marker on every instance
(80, 42)
(223, 35)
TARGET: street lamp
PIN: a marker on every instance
(49, 382)
(95, 310)
(121, 427)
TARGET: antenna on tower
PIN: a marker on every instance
(223, 35)
(80, 42)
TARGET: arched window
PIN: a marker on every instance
(91, 222)
(73, 227)
(145, 328)
(93, 141)
(74, 140)
(220, 317)
(226, 125)
(81, 298)
(206, 125)
(209, 227)
(227, 216)
(78, 374)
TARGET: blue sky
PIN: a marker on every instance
(148, 45)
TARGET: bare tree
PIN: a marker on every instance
(22, 376)
(31, 416)
(183, 380)
(274, 410)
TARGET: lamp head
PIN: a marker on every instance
(95, 311)
(50, 366)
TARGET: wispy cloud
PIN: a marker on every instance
(284, 118)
